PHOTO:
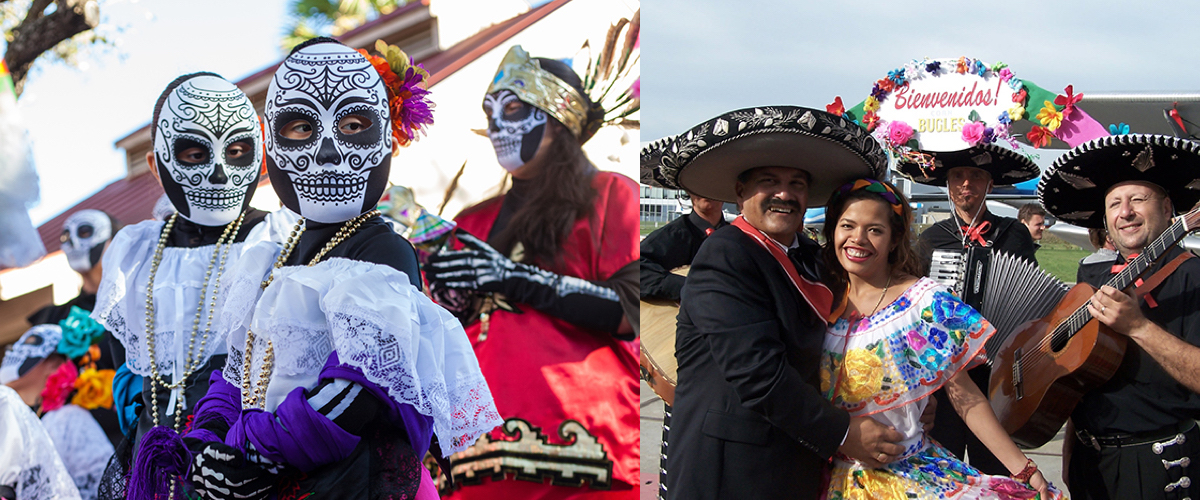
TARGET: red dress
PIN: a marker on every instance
(548, 372)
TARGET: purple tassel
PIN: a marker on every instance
(161, 456)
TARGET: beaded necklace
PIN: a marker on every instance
(257, 397)
(221, 250)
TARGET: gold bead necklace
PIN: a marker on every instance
(191, 364)
(257, 398)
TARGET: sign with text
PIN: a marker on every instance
(937, 105)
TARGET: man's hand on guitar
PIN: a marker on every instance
(1117, 309)
(871, 442)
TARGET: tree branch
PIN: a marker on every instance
(37, 33)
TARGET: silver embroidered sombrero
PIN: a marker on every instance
(707, 159)
(651, 157)
(1073, 188)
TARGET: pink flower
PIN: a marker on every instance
(58, 386)
(1010, 489)
(972, 133)
(899, 133)
(916, 340)
(636, 88)
(1005, 75)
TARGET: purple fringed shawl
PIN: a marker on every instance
(297, 434)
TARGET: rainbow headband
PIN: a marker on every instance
(523, 76)
(873, 186)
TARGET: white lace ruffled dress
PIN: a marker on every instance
(82, 445)
(178, 282)
(375, 320)
(29, 463)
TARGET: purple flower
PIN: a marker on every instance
(989, 135)
(932, 67)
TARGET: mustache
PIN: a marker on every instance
(776, 202)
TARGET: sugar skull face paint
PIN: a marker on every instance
(515, 128)
(328, 150)
(34, 345)
(84, 234)
(207, 149)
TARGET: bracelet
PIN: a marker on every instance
(1026, 473)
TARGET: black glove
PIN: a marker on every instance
(222, 472)
(481, 268)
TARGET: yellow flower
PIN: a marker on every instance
(862, 375)
(872, 104)
(94, 389)
(1050, 117)
(1016, 112)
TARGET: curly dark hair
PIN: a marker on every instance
(903, 258)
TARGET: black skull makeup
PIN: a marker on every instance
(84, 234)
(515, 128)
(206, 148)
(328, 150)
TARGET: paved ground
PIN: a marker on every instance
(1048, 457)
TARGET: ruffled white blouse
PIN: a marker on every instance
(179, 287)
(375, 319)
(28, 460)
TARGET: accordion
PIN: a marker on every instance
(1007, 290)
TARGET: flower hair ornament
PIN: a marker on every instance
(408, 100)
(884, 191)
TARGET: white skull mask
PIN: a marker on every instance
(516, 131)
(34, 345)
(84, 234)
(329, 143)
(207, 146)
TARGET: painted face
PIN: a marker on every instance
(773, 200)
(84, 234)
(515, 128)
(328, 152)
(35, 345)
(208, 150)
(863, 238)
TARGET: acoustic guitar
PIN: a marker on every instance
(1046, 367)
(657, 360)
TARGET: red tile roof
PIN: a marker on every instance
(128, 200)
(131, 200)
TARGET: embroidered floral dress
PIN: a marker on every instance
(886, 366)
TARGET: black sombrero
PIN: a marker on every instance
(652, 154)
(707, 159)
(1006, 166)
(1073, 188)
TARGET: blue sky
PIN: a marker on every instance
(74, 115)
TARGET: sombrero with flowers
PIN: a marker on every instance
(707, 159)
(1007, 167)
(936, 114)
(1073, 188)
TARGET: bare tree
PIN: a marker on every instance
(46, 24)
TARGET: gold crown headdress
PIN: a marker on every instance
(524, 76)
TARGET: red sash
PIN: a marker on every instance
(816, 294)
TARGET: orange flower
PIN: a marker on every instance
(94, 389)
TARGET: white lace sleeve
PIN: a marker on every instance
(382, 325)
(29, 463)
(82, 445)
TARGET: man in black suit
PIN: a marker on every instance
(749, 420)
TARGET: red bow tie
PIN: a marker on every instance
(976, 233)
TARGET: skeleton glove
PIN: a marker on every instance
(221, 472)
(481, 268)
